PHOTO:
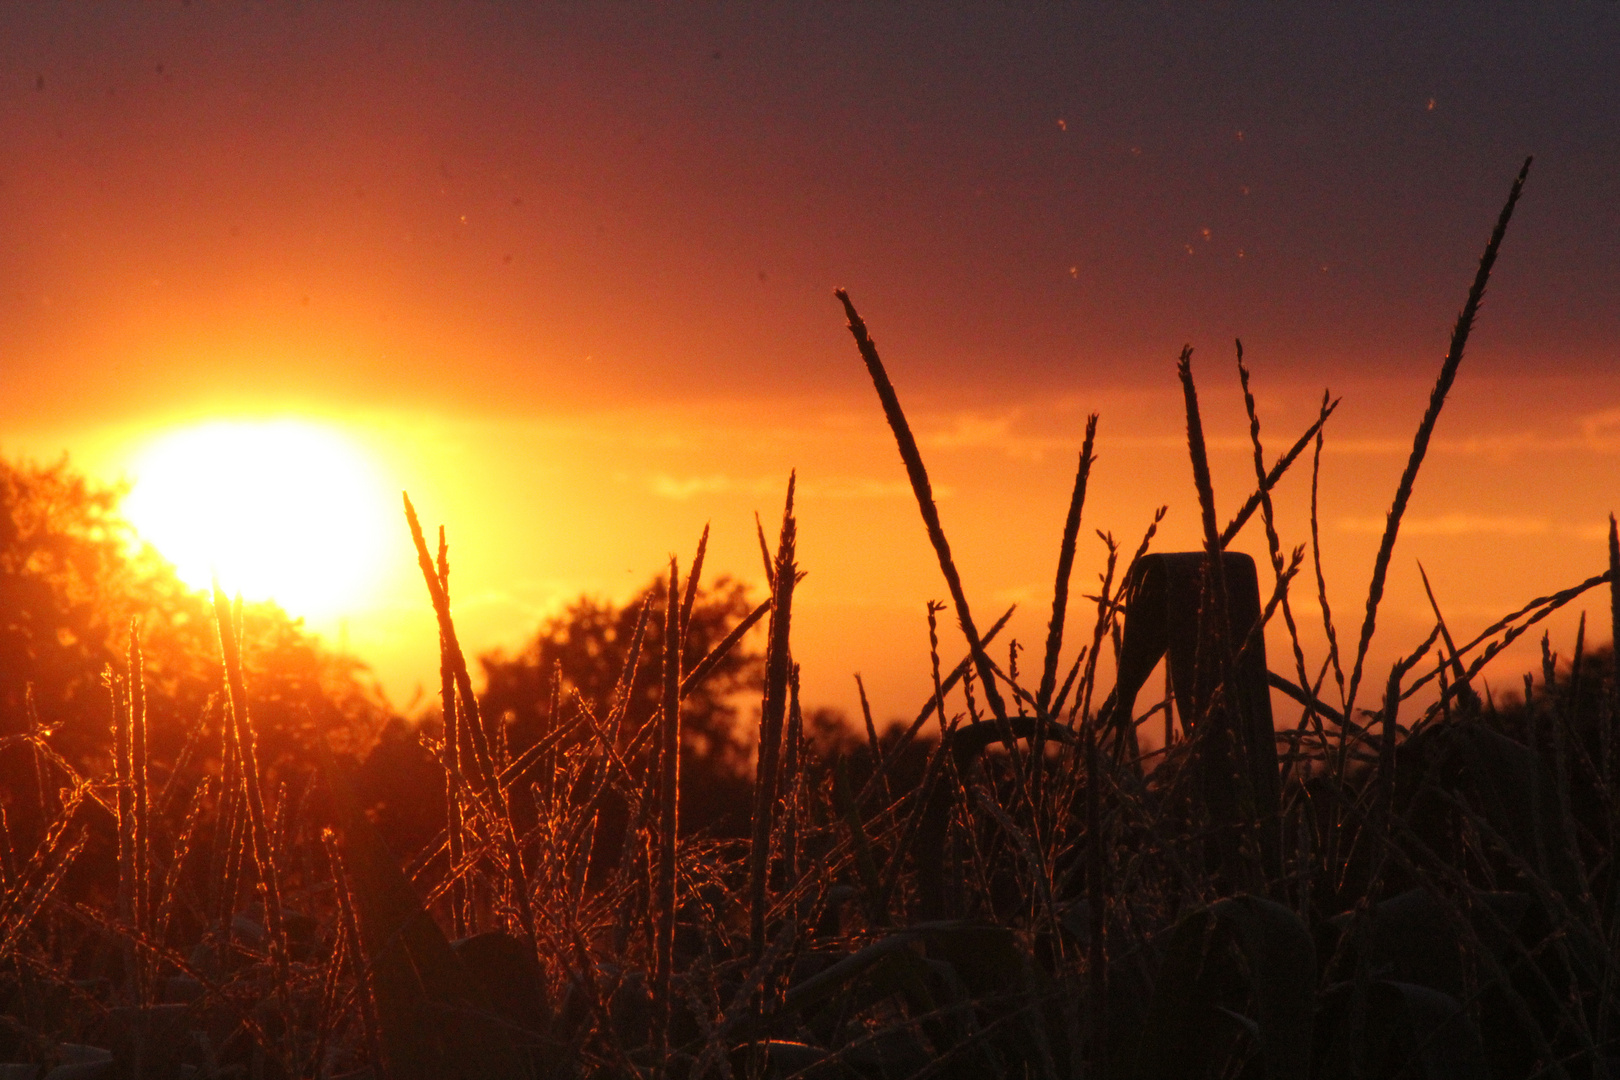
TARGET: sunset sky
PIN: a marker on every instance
(565, 273)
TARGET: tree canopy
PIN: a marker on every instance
(75, 579)
(588, 644)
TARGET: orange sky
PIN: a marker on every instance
(568, 276)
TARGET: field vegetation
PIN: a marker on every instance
(220, 856)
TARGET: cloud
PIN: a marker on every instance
(1595, 433)
(1008, 434)
(1498, 447)
(978, 431)
(1586, 532)
(1601, 430)
(682, 488)
(857, 488)
(1474, 525)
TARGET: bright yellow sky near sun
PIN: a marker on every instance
(564, 274)
(285, 510)
(305, 509)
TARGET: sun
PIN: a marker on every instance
(284, 510)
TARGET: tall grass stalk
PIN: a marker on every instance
(460, 906)
(902, 904)
(119, 689)
(1328, 629)
(1269, 480)
(494, 795)
(1274, 549)
(1060, 588)
(932, 707)
(1614, 611)
(692, 580)
(1462, 690)
(668, 822)
(790, 788)
(240, 719)
(362, 969)
(133, 807)
(1107, 609)
(1211, 614)
(925, 500)
(1420, 442)
(1268, 517)
(483, 759)
(1239, 776)
(1060, 604)
(773, 712)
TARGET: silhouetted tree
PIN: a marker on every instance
(73, 574)
(581, 654)
(589, 644)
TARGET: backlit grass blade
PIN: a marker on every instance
(773, 713)
(452, 656)
(925, 499)
(1328, 626)
(1269, 481)
(1510, 628)
(1273, 542)
(1461, 688)
(460, 907)
(1060, 590)
(240, 719)
(1240, 779)
(692, 580)
(692, 678)
(1614, 610)
(669, 755)
(494, 797)
(928, 709)
(1420, 442)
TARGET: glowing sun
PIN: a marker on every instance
(283, 510)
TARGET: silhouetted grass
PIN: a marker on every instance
(1022, 889)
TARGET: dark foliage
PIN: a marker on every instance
(588, 644)
(72, 581)
(578, 657)
(1011, 886)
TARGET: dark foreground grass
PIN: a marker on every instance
(1012, 887)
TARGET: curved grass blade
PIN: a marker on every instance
(1420, 442)
(925, 499)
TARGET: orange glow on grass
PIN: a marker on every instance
(283, 510)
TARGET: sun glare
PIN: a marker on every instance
(283, 510)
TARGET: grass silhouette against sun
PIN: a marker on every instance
(1013, 885)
